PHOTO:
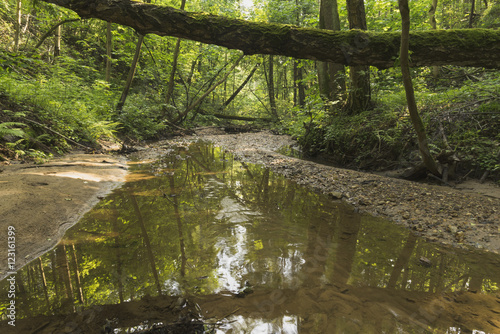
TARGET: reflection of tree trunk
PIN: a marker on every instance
(264, 186)
(402, 261)
(118, 261)
(54, 274)
(65, 275)
(77, 275)
(179, 227)
(147, 242)
(319, 244)
(44, 282)
(346, 245)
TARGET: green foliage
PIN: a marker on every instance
(140, 121)
(9, 129)
(491, 17)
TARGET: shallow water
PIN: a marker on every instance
(250, 252)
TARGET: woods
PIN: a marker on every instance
(328, 75)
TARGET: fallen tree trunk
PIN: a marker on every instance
(464, 47)
(237, 118)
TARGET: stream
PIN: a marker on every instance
(197, 237)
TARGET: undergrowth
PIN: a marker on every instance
(461, 114)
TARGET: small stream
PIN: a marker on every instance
(246, 251)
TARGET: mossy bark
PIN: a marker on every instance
(467, 47)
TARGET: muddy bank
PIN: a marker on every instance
(462, 218)
(42, 201)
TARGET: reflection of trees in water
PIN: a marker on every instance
(158, 236)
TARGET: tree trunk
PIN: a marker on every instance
(210, 90)
(471, 15)
(442, 47)
(109, 47)
(300, 99)
(423, 146)
(171, 80)
(131, 74)
(238, 90)
(51, 30)
(330, 75)
(270, 87)
(432, 17)
(17, 35)
(57, 42)
(359, 97)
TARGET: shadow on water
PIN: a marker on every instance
(198, 241)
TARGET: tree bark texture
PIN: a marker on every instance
(359, 97)
(330, 75)
(441, 47)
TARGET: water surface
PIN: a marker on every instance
(252, 253)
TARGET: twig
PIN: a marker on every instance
(57, 133)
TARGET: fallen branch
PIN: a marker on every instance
(59, 134)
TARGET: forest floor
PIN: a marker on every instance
(43, 201)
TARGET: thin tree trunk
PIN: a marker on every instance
(238, 90)
(109, 47)
(171, 80)
(57, 42)
(51, 30)
(17, 35)
(423, 146)
(301, 92)
(432, 17)
(471, 15)
(270, 87)
(131, 74)
(210, 90)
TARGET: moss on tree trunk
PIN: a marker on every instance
(468, 47)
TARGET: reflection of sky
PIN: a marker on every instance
(231, 259)
(285, 325)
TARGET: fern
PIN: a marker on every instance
(6, 129)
